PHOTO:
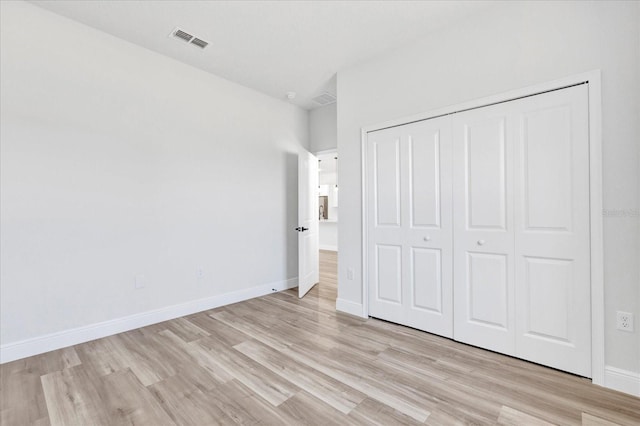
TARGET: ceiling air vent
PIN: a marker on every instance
(182, 35)
(200, 43)
(325, 98)
(177, 33)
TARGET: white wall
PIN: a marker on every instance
(328, 236)
(323, 132)
(509, 47)
(117, 161)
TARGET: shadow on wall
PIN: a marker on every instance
(291, 220)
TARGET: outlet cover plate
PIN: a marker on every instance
(624, 321)
(138, 281)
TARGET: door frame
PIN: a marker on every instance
(593, 80)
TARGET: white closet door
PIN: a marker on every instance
(507, 187)
(483, 228)
(410, 225)
(553, 296)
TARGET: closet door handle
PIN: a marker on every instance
(481, 242)
(427, 238)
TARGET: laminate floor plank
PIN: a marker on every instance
(369, 381)
(22, 400)
(44, 363)
(305, 409)
(372, 412)
(326, 334)
(546, 407)
(441, 416)
(411, 363)
(143, 358)
(515, 388)
(589, 420)
(510, 417)
(320, 305)
(245, 407)
(279, 359)
(334, 393)
(259, 379)
(186, 405)
(73, 397)
(290, 333)
(219, 333)
(101, 356)
(130, 403)
(251, 329)
(186, 329)
(205, 357)
(199, 367)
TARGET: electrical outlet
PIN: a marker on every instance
(349, 273)
(200, 274)
(625, 321)
(138, 281)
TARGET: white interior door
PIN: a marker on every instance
(308, 223)
(553, 294)
(483, 228)
(409, 225)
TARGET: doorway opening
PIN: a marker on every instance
(328, 223)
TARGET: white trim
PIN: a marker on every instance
(365, 258)
(595, 193)
(622, 380)
(328, 247)
(326, 151)
(62, 339)
(349, 307)
(597, 245)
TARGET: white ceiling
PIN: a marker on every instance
(271, 46)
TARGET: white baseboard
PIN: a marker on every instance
(349, 307)
(62, 339)
(622, 380)
(328, 247)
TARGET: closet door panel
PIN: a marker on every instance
(428, 189)
(425, 178)
(388, 273)
(546, 169)
(485, 170)
(428, 235)
(483, 229)
(386, 182)
(417, 159)
(426, 279)
(546, 290)
(488, 292)
(552, 230)
(385, 246)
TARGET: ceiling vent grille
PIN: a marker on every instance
(325, 98)
(179, 34)
(182, 35)
(200, 43)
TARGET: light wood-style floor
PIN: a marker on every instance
(280, 360)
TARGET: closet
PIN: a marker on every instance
(478, 227)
